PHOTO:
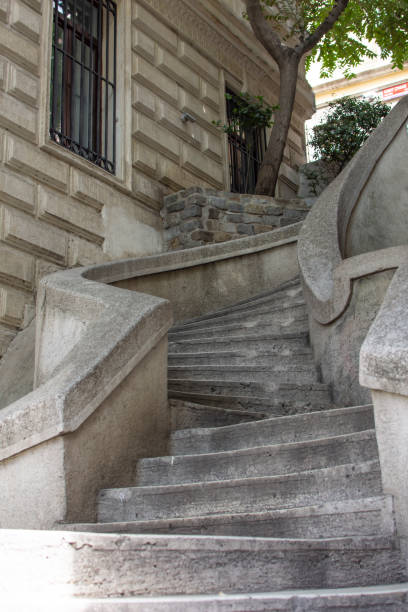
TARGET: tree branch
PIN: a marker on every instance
(326, 25)
(263, 31)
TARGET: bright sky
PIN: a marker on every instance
(314, 78)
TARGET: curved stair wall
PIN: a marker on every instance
(357, 304)
(100, 401)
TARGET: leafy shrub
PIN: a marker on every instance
(346, 128)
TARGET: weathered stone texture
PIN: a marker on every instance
(58, 210)
(197, 216)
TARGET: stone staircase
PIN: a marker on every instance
(268, 488)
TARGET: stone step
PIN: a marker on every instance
(304, 488)
(258, 461)
(290, 308)
(249, 327)
(263, 374)
(285, 293)
(288, 402)
(285, 343)
(187, 414)
(235, 387)
(230, 358)
(57, 564)
(382, 598)
(369, 516)
(273, 431)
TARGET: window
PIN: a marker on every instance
(83, 79)
(246, 149)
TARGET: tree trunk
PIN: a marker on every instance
(269, 172)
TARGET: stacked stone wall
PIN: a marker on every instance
(196, 216)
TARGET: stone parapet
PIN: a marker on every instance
(197, 216)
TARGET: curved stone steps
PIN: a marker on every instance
(287, 343)
(261, 314)
(290, 402)
(263, 374)
(369, 516)
(125, 565)
(303, 488)
(292, 325)
(188, 414)
(258, 461)
(274, 360)
(287, 292)
(382, 598)
(295, 428)
(249, 503)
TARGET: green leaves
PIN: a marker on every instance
(248, 112)
(384, 22)
(346, 128)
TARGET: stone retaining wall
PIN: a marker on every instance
(196, 216)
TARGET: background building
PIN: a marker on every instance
(375, 79)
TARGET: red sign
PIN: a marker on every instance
(394, 92)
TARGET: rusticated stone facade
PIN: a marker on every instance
(58, 210)
(193, 217)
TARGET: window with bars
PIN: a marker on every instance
(246, 149)
(83, 79)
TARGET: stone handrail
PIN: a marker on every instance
(100, 397)
(325, 273)
(71, 388)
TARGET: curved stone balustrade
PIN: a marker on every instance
(330, 280)
(100, 400)
(326, 274)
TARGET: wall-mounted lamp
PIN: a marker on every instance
(187, 117)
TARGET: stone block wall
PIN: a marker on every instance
(57, 209)
(196, 216)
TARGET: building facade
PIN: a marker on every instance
(105, 108)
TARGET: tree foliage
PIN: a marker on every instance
(338, 33)
(346, 127)
(347, 44)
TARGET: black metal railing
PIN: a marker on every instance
(83, 79)
(246, 151)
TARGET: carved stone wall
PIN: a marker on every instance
(58, 210)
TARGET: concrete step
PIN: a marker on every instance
(187, 414)
(369, 516)
(239, 387)
(382, 598)
(248, 327)
(273, 431)
(70, 564)
(285, 293)
(304, 488)
(272, 405)
(262, 313)
(284, 343)
(231, 358)
(258, 461)
(301, 374)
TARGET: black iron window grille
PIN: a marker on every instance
(83, 79)
(246, 149)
